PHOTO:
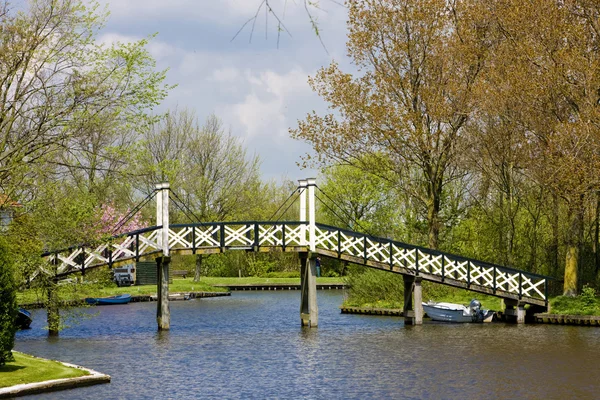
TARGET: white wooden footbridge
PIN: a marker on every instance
(309, 239)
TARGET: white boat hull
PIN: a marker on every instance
(447, 313)
(450, 312)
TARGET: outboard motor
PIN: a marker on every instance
(476, 312)
(474, 305)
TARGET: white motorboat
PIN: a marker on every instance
(450, 312)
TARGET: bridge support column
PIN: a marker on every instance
(413, 300)
(309, 311)
(515, 310)
(163, 312)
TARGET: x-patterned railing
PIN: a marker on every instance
(190, 238)
(330, 241)
(432, 265)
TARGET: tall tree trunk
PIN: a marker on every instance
(596, 235)
(198, 268)
(555, 237)
(433, 219)
(53, 318)
(501, 235)
(434, 198)
(573, 246)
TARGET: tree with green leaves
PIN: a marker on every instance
(8, 305)
(70, 109)
(360, 202)
(403, 115)
(207, 167)
(66, 100)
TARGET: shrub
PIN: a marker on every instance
(372, 287)
(8, 306)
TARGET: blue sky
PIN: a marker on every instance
(256, 88)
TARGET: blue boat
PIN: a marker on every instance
(23, 319)
(102, 301)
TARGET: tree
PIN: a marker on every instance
(68, 105)
(8, 305)
(360, 202)
(545, 65)
(207, 167)
(61, 91)
(405, 112)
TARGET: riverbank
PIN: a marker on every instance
(75, 293)
(134, 299)
(30, 375)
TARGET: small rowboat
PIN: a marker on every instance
(102, 301)
(23, 319)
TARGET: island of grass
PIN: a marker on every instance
(29, 369)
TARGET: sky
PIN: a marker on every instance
(256, 84)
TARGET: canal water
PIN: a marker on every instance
(251, 346)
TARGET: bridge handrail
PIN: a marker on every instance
(194, 224)
(155, 227)
(434, 252)
(103, 240)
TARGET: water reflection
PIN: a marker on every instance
(251, 345)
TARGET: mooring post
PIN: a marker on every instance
(413, 300)
(163, 313)
(309, 311)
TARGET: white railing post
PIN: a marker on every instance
(159, 213)
(311, 183)
(165, 219)
(302, 191)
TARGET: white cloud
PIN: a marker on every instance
(224, 75)
(257, 89)
(221, 11)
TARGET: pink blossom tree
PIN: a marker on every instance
(112, 221)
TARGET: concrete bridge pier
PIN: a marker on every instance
(413, 300)
(515, 310)
(309, 311)
(163, 311)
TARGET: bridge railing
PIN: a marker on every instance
(237, 235)
(417, 260)
(253, 235)
(118, 248)
(194, 237)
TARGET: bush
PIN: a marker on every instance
(370, 287)
(584, 304)
(289, 275)
(8, 306)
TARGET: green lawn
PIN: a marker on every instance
(487, 302)
(81, 291)
(263, 281)
(28, 369)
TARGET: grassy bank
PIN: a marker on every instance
(457, 296)
(29, 369)
(585, 304)
(79, 291)
(263, 281)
